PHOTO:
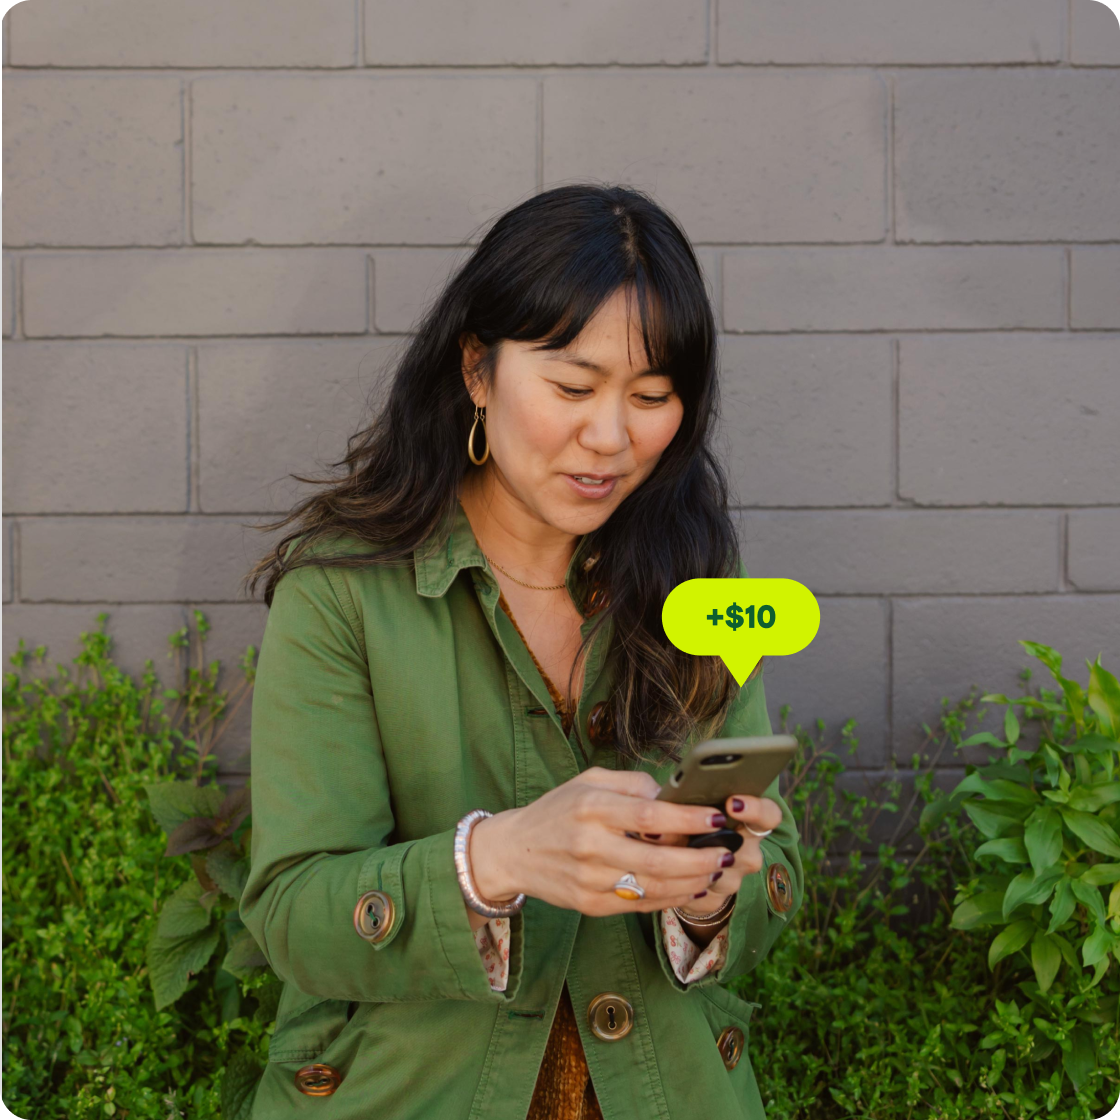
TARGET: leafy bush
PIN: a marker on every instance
(84, 880)
(132, 988)
(870, 1013)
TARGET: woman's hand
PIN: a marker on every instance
(759, 813)
(569, 847)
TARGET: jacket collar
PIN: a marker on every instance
(438, 564)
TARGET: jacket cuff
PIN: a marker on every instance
(448, 912)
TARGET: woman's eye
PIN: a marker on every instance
(580, 393)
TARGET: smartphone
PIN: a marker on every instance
(717, 768)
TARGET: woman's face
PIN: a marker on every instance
(589, 411)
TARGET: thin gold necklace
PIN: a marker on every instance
(534, 586)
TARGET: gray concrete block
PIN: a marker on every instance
(893, 288)
(267, 411)
(138, 559)
(8, 553)
(1094, 34)
(138, 633)
(1094, 549)
(92, 160)
(9, 272)
(95, 429)
(941, 647)
(890, 31)
(196, 292)
(1095, 286)
(807, 421)
(1009, 420)
(1007, 155)
(514, 33)
(840, 675)
(202, 33)
(292, 159)
(883, 552)
(737, 156)
(406, 282)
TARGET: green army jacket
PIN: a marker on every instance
(390, 701)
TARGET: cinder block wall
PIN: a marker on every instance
(221, 218)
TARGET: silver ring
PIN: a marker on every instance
(753, 833)
(632, 888)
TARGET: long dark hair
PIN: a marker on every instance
(540, 273)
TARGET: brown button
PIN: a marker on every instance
(731, 1046)
(779, 887)
(599, 727)
(318, 1080)
(373, 916)
(610, 1016)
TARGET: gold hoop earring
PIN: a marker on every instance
(478, 415)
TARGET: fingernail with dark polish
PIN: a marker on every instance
(700, 895)
(652, 835)
(715, 876)
(727, 859)
(718, 820)
(738, 804)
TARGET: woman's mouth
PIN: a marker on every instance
(591, 486)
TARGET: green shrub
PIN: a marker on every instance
(85, 885)
(133, 990)
(870, 1014)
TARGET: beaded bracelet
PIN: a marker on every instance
(463, 869)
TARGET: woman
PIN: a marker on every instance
(470, 620)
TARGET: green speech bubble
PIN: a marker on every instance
(740, 620)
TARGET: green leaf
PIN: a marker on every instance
(1010, 726)
(1092, 744)
(1013, 938)
(1104, 697)
(244, 955)
(1097, 946)
(182, 914)
(193, 835)
(1042, 837)
(985, 737)
(1046, 959)
(1092, 831)
(1069, 954)
(1062, 905)
(1010, 849)
(981, 910)
(1003, 790)
(1081, 1059)
(229, 870)
(1049, 657)
(1091, 897)
(1101, 874)
(171, 963)
(1089, 800)
(239, 1085)
(173, 803)
(993, 823)
(1030, 887)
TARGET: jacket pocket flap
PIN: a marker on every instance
(306, 1026)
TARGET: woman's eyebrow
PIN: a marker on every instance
(587, 363)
